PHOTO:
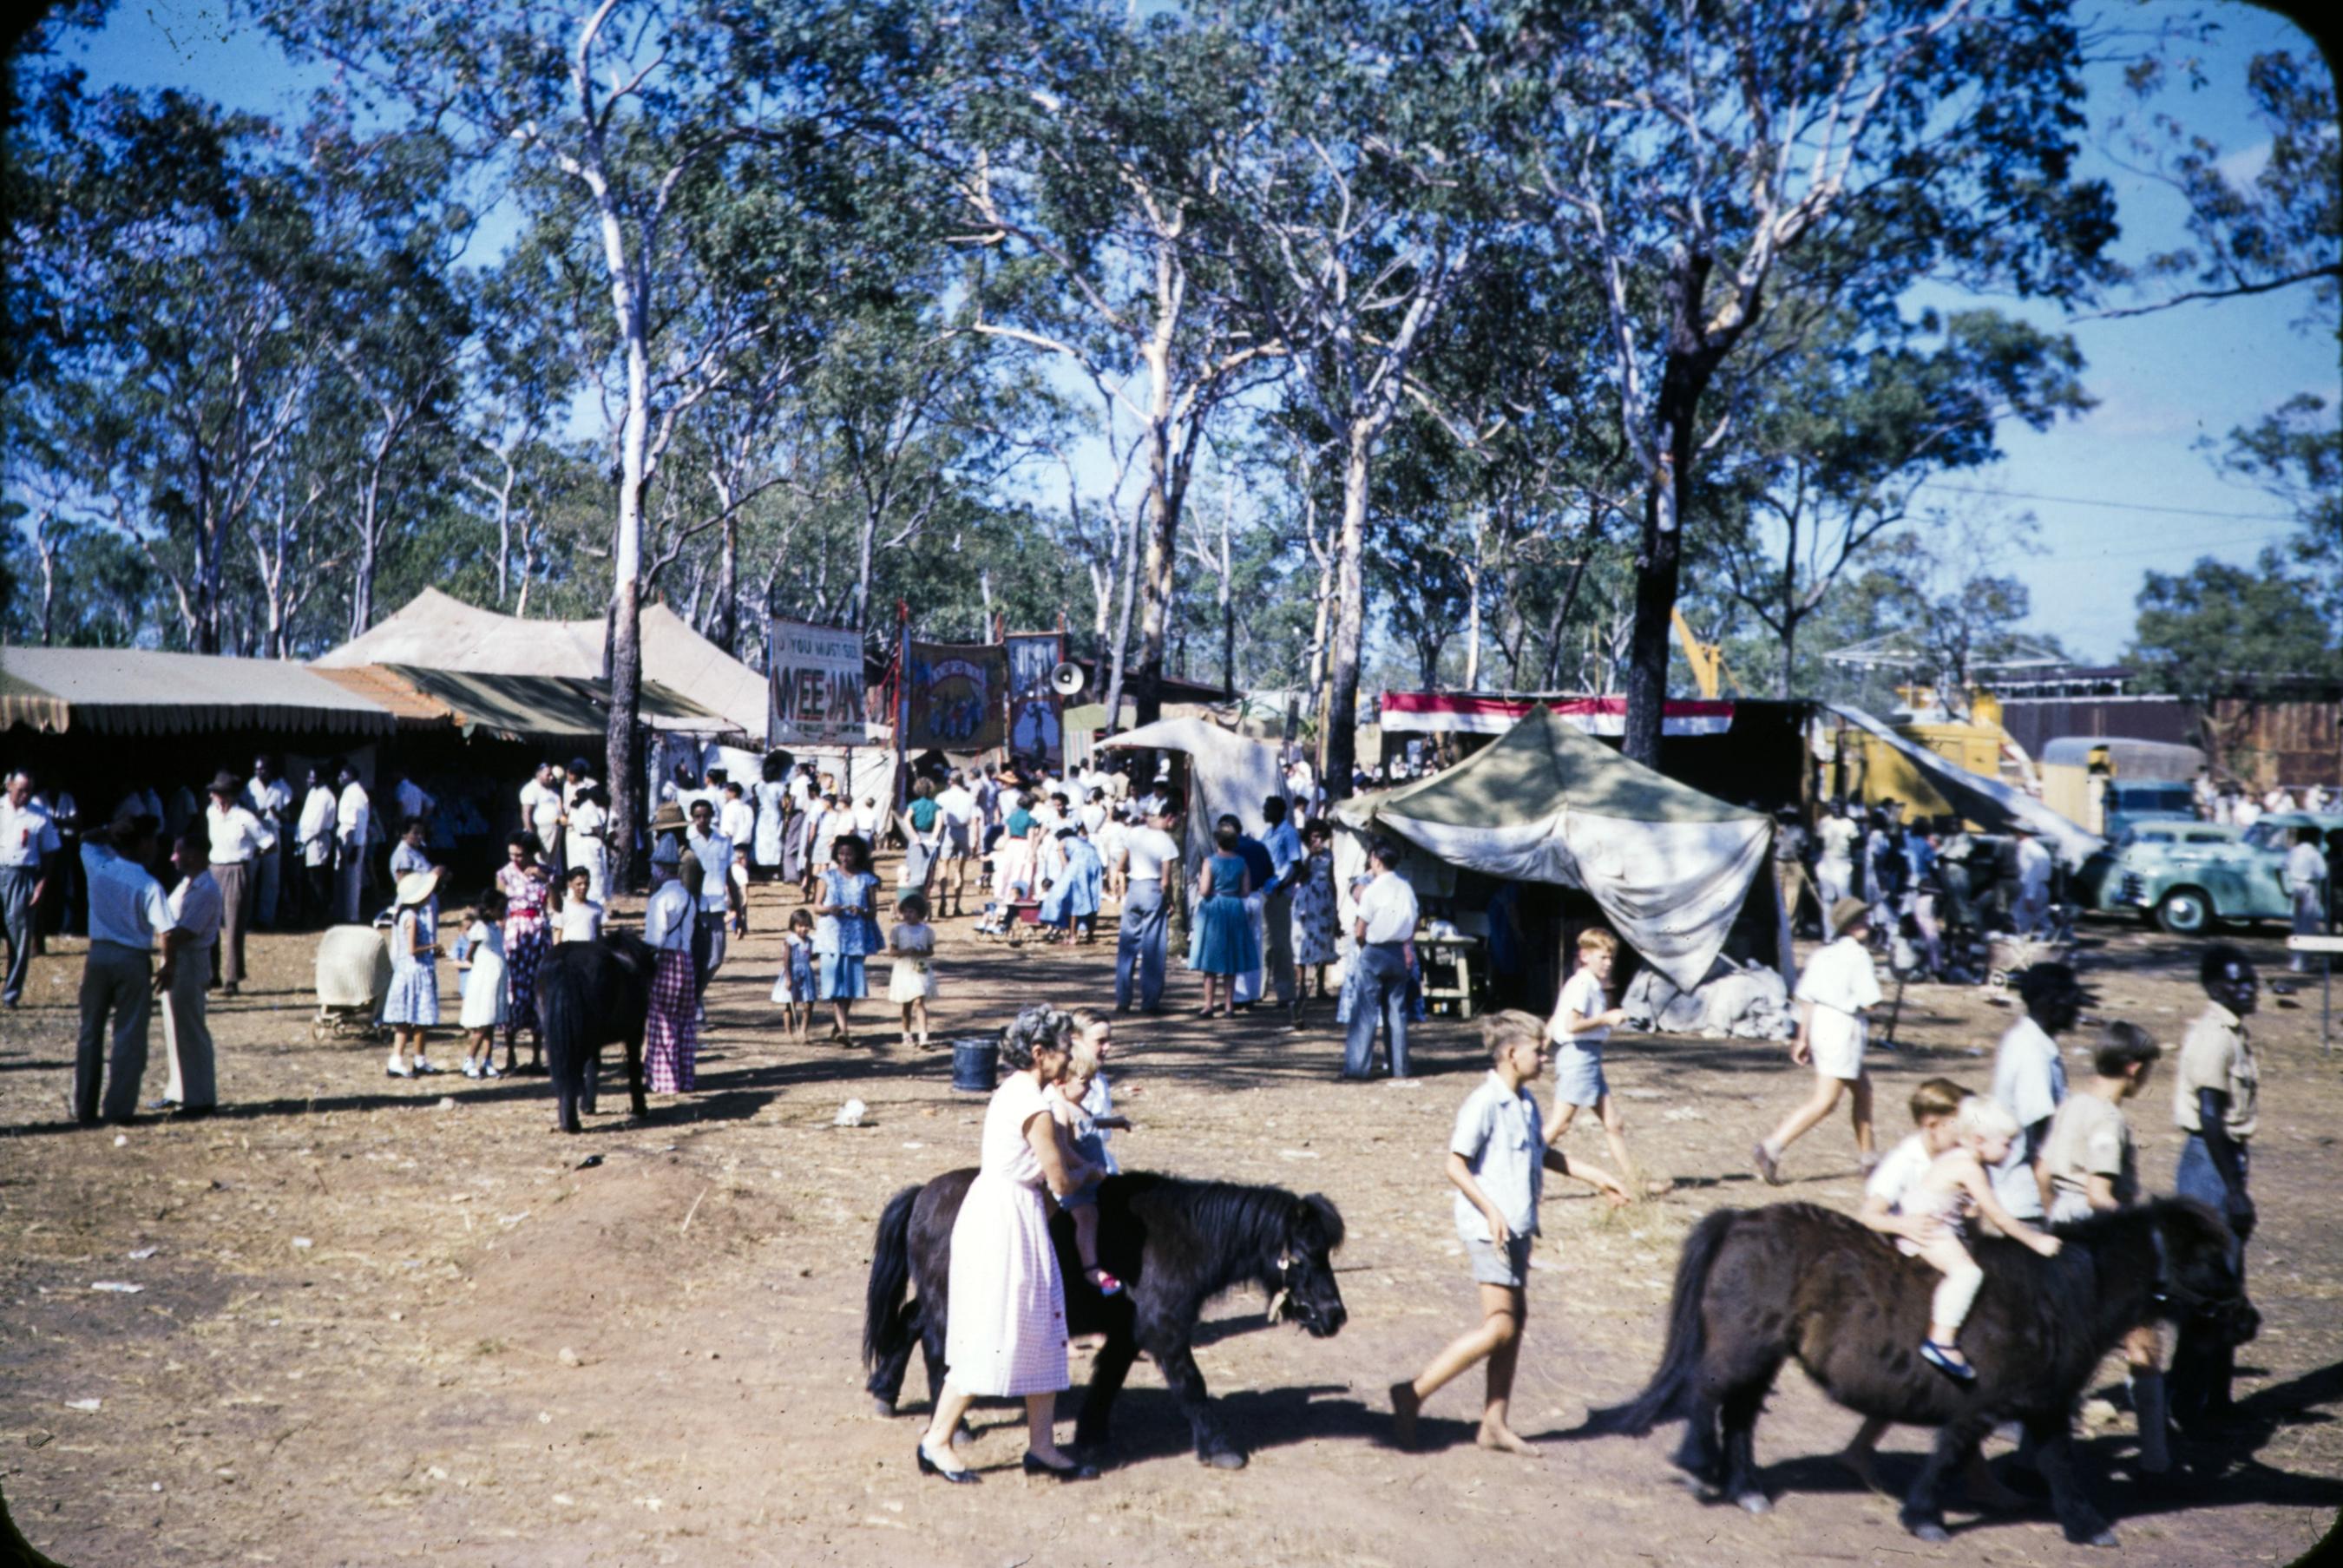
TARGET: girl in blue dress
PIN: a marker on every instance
(845, 929)
(1072, 901)
(1225, 945)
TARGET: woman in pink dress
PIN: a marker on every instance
(522, 881)
(1007, 1334)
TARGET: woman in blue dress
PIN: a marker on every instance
(1225, 945)
(846, 928)
(1072, 899)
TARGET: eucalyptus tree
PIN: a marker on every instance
(620, 123)
(1694, 149)
(1096, 159)
(1835, 436)
(169, 248)
(1366, 219)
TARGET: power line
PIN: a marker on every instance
(2116, 505)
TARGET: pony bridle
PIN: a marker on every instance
(1281, 1301)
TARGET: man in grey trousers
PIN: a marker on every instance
(127, 913)
(1151, 865)
(1386, 919)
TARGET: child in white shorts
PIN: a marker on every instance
(1837, 988)
(1582, 1020)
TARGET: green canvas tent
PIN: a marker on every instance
(1669, 865)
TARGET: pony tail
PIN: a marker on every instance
(885, 1325)
(1666, 1397)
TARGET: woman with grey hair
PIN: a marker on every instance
(1007, 1334)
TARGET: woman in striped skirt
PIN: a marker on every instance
(522, 881)
(671, 1033)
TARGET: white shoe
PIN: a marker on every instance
(471, 1068)
(397, 1069)
(423, 1067)
(491, 1069)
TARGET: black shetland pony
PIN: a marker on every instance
(590, 995)
(1755, 1288)
(1175, 1244)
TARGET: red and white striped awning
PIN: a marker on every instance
(1455, 713)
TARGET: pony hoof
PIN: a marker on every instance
(2104, 1538)
(1222, 1458)
(1931, 1532)
(1756, 1503)
(884, 1409)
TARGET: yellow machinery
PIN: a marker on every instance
(1706, 659)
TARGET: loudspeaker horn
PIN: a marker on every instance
(1068, 680)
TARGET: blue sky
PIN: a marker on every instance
(2117, 493)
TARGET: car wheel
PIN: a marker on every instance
(2184, 912)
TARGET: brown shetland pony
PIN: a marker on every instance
(1758, 1287)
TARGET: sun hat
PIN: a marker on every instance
(668, 819)
(1849, 911)
(416, 886)
(223, 783)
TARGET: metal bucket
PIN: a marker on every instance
(976, 1064)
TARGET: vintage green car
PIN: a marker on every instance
(2186, 877)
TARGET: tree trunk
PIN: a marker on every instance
(623, 759)
(724, 615)
(1350, 621)
(1228, 601)
(1131, 556)
(1659, 556)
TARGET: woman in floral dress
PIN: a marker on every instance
(1313, 913)
(522, 881)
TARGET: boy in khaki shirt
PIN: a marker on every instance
(2214, 1097)
(2089, 1165)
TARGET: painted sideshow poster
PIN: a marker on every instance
(958, 696)
(1034, 734)
(814, 683)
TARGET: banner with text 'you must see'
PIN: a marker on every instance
(814, 683)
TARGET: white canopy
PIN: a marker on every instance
(1986, 800)
(1227, 774)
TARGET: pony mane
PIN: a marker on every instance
(1241, 1230)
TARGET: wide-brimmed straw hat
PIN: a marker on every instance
(668, 819)
(1849, 913)
(416, 886)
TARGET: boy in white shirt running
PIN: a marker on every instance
(1583, 1019)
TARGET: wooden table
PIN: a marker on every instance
(1456, 954)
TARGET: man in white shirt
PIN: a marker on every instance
(713, 850)
(1838, 988)
(2306, 884)
(2029, 1079)
(2031, 908)
(536, 792)
(1835, 863)
(237, 839)
(128, 916)
(586, 846)
(198, 909)
(353, 822)
(1384, 925)
(738, 819)
(28, 846)
(270, 799)
(1149, 864)
(315, 835)
(957, 807)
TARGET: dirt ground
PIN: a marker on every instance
(380, 1322)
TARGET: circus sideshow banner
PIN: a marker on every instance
(815, 682)
(958, 696)
(1035, 734)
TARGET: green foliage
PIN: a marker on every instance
(2218, 628)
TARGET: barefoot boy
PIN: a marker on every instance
(1497, 1158)
(1583, 1019)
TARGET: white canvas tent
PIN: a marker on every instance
(1226, 774)
(436, 631)
(1668, 864)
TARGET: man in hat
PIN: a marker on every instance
(128, 917)
(239, 839)
(2029, 1079)
(197, 913)
(29, 844)
(1835, 993)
